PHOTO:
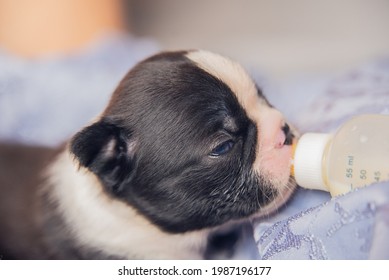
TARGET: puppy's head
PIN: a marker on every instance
(189, 141)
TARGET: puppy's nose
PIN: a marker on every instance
(288, 134)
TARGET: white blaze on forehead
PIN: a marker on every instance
(229, 72)
(272, 162)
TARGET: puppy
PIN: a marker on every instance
(186, 144)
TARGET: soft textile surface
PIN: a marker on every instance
(312, 225)
(44, 101)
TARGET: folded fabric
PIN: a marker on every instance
(312, 225)
(353, 226)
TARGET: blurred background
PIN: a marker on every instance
(58, 56)
(283, 37)
(60, 60)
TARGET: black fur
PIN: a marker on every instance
(106, 150)
(169, 174)
(174, 144)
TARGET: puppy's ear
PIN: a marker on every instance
(108, 151)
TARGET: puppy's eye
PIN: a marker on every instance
(223, 148)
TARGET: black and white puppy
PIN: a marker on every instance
(187, 143)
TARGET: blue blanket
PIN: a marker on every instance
(310, 226)
(313, 225)
(46, 100)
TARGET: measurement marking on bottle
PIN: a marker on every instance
(377, 176)
(349, 172)
(363, 174)
(350, 160)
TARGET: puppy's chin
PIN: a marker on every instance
(276, 165)
(284, 190)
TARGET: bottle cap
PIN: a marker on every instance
(308, 160)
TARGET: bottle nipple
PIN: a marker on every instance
(307, 160)
(294, 144)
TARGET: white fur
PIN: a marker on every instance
(272, 162)
(229, 72)
(107, 224)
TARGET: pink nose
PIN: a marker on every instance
(280, 139)
(272, 131)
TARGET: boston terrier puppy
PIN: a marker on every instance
(187, 144)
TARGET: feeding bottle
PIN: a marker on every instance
(355, 156)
